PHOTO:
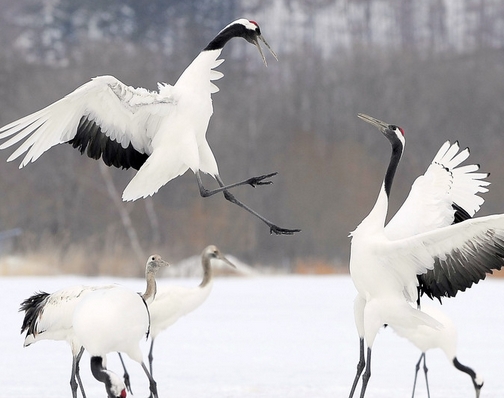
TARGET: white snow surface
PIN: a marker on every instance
(263, 336)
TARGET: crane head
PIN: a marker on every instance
(391, 131)
(212, 252)
(249, 30)
(154, 263)
(253, 37)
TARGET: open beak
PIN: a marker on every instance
(375, 122)
(256, 42)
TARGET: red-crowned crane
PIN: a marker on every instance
(426, 338)
(161, 134)
(173, 302)
(50, 317)
(115, 320)
(422, 239)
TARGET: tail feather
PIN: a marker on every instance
(33, 306)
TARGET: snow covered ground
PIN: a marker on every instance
(266, 336)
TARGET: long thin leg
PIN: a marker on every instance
(126, 376)
(151, 357)
(76, 376)
(273, 228)
(367, 374)
(425, 372)
(360, 367)
(152, 382)
(73, 383)
(417, 368)
(250, 181)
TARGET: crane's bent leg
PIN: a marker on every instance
(273, 228)
(126, 376)
(360, 367)
(251, 181)
(417, 368)
(152, 383)
(367, 373)
(425, 372)
(151, 357)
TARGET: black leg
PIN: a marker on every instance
(151, 357)
(126, 377)
(251, 181)
(360, 367)
(152, 383)
(273, 228)
(76, 375)
(425, 372)
(417, 368)
(73, 383)
(367, 374)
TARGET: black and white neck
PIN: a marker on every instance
(395, 135)
(113, 384)
(476, 379)
(249, 30)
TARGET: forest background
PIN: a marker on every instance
(434, 67)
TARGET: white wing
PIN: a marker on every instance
(457, 255)
(173, 302)
(104, 118)
(445, 194)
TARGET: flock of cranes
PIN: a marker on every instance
(432, 246)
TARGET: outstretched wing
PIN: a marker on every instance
(457, 255)
(102, 118)
(446, 193)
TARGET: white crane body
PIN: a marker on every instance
(431, 246)
(161, 134)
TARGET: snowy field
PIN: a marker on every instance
(267, 336)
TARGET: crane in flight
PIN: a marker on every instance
(161, 134)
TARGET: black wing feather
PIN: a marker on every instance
(448, 277)
(91, 140)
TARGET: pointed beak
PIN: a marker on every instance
(223, 258)
(256, 42)
(382, 126)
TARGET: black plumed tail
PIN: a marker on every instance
(32, 306)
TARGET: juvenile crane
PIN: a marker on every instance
(161, 134)
(422, 239)
(116, 319)
(426, 338)
(173, 302)
(49, 317)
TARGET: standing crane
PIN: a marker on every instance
(426, 338)
(49, 317)
(161, 134)
(173, 302)
(386, 261)
(116, 319)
